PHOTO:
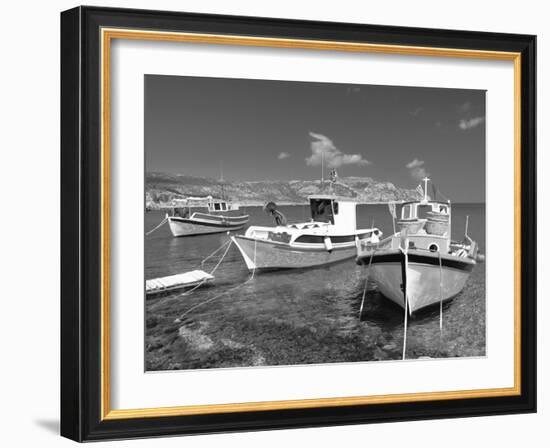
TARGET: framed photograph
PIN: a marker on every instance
(276, 224)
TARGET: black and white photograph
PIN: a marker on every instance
(292, 223)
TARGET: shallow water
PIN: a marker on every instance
(298, 317)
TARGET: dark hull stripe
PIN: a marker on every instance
(319, 239)
(419, 259)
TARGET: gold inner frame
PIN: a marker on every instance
(107, 35)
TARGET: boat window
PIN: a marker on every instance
(312, 239)
(322, 210)
(443, 209)
(216, 206)
(407, 212)
(223, 205)
(422, 211)
(342, 239)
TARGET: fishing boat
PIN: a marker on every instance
(419, 265)
(330, 236)
(204, 215)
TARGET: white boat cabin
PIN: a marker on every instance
(426, 225)
(207, 204)
(339, 212)
(333, 220)
(332, 226)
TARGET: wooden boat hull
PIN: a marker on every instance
(270, 255)
(421, 276)
(181, 227)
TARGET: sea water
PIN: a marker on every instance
(298, 317)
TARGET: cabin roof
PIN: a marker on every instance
(331, 197)
(199, 199)
(426, 202)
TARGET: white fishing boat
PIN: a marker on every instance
(204, 215)
(420, 265)
(330, 236)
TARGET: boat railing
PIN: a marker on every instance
(367, 245)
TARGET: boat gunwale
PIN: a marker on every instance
(235, 225)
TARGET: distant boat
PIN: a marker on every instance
(419, 265)
(204, 215)
(329, 237)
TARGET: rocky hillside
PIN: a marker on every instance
(161, 188)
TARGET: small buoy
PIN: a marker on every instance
(177, 321)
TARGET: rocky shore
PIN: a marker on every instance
(162, 188)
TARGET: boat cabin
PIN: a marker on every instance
(426, 224)
(208, 204)
(218, 205)
(334, 210)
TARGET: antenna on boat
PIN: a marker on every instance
(322, 169)
(426, 179)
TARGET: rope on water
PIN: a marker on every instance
(179, 319)
(215, 252)
(228, 244)
(158, 226)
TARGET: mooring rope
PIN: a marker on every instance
(440, 297)
(228, 244)
(366, 283)
(406, 305)
(215, 252)
(441, 194)
(179, 319)
(440, 303)
(253, 269)
(161, 223)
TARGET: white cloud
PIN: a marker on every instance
(416, 112)
(415, 163)
(464, 107)
(323, 146)
(417, 170)
(471, 123)
(283, 155)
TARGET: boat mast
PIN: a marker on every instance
(221, 179)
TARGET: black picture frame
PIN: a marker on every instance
(81, 224)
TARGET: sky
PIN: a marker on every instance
(285, 130)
